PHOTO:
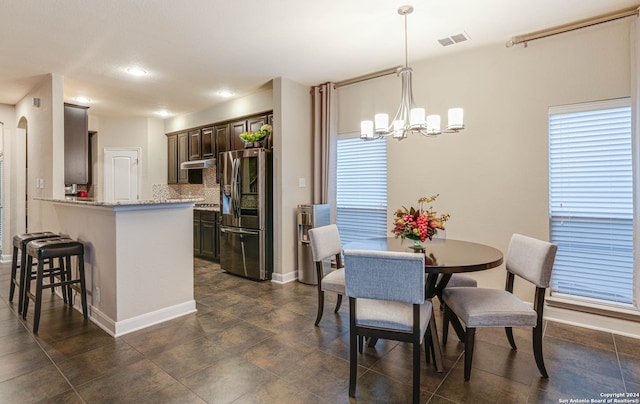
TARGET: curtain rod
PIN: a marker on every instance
(375, 75)
(561, 29)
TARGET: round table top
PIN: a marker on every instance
(442, 255)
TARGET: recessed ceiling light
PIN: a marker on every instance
(163, 113)
(136, 71)
(83, 100)
(225, 93)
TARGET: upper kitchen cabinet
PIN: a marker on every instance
(172, 159)
(251, 124)
(208, 143)
(222, 138)
(76, 145)
(237, 128)
(195, 145)
(178, 152)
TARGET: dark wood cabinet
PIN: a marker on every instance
(206, 235)
(76, 145)
(195, 145)
(172, 159)
(183, 155)
(254, 123)
(208, 143)
(236, 129)
(178, 152)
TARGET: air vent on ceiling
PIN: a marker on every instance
(453, 39)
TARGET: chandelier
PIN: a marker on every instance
(409, 119)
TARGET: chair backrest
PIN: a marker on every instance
(531, 259)
(385, 275)
(325, 242)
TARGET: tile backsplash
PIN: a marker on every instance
(209, 189)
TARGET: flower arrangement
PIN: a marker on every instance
(418, 224)
(251, 136)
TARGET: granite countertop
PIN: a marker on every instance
(93, 202)
(207, 207)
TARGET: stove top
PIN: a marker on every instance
(207, 205)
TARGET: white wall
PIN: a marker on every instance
(492, 177)
(292, 161)
(45, 143)
(145, 133)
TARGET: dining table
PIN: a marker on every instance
(443, 258)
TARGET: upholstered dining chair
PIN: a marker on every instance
(386, 300)
(325, 244)
(530, 259)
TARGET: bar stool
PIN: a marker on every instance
(43, 250)
(20, 242)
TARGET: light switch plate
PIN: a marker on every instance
(302, 182)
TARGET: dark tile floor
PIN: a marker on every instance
(253, 342)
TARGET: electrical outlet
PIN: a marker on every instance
(98, 294)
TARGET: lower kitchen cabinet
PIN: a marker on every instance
(206, 235)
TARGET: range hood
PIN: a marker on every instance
(197, 164)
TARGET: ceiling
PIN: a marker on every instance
(192, 49)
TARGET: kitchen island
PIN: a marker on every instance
(138, 258)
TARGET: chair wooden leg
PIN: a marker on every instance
(338, 304)
(445, 323)
(416, 372)
(353, 346)
(537, 351)
(320, 306)
(468, 352)
(512, 342)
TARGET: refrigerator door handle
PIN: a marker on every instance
(235, 188)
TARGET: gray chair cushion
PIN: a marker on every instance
(479, 307)
(462, 280)
(391, 315)
(334, 281)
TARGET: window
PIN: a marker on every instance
(591, 201)
(361, 195)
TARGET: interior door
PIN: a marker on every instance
(121, 174)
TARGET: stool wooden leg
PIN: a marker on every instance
(83, 286)
(38, 302)
(14, 273)
(25, 273)
(25, 280)
(66, 275)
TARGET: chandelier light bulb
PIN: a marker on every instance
(382, 123)
(366, 129)
(433, 124)
(416, 117)
(456, 119)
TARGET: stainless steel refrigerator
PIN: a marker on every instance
(246, 235)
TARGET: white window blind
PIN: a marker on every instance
(591, 201)
(361, 195)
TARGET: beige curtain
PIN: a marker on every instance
(325, 142)
(635, 139)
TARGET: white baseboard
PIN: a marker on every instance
(5, 258)
(284, 278)
(120, 328)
